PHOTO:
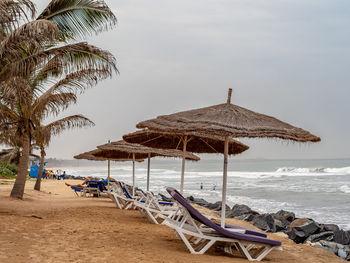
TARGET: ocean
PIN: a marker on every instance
(318, 189)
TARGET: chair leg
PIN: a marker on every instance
(257, 255)
(200, 249)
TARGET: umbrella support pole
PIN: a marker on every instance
(109, 174)
(184, 141)
(148, 170)
(224, 184)
(133, 174)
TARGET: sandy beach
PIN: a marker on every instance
(56, 226)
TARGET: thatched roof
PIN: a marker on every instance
(124, 150)
(228, 120)
(197, 142)
(91, 157)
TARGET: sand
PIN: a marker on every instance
(56, 226)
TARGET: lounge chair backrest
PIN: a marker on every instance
(92, 184)
(195, 214)
(126, 192)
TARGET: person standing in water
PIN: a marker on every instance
(201, 187)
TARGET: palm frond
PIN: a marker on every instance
(53, 104)
(78, 18)
(74, 57)
(42, 134)
(70, 122)
(31, 33)
(12, 13)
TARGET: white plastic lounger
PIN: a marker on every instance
(248, 242)
(153, 209)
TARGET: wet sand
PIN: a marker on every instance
(56, 226)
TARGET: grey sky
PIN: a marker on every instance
(285, 58)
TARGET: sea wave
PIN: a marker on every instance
(345, 189)
(317, 170)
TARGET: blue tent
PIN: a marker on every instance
(34, 169)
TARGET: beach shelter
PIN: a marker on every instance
(121, 149)
(228, 121)
(91, 157)
(186, 141)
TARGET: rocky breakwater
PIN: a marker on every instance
(301, 230)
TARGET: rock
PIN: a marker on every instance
(289, 216)
(342, 237)
(217, 206)
(328, 236)
(298, 222)
(238, 210)
(198, 201)
(281, 224)
(300, 232)
(165, 198)
(330, 227)
(296, 235)
(342, 253)
(329, 244)
(265, 222)
(246, 217)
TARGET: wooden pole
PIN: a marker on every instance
(133, 174)
(224, 184)
(148, 170)
(229, 96)
(109, 173)
(184, 141)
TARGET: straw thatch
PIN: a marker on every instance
(91, 157)
(197, 142)
(124, 150)
(228, 120)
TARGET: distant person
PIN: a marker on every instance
(62, 176)
(53, 174)
(201, 187)
(214, 187)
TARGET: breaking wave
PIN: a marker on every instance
(342, 170)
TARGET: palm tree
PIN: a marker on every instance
(42, 136)
(46, 41)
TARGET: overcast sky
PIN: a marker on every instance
(285, 58)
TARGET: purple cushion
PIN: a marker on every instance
(204, 220)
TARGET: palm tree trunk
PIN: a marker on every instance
(18, 188)
(41, 168)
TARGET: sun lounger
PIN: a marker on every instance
(123, 199)
(77, 189)
(199, 233)
(153, 209)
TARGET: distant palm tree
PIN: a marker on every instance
(45, 48)
(42, 136)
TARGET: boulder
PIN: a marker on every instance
(289, 216)
(300, 232)
(281, 224)
(265, 222)
(328, 236)
(246, 217)
(238, 210)
(217, 206)
(342, 253)
(330, 227)
(342, 237)
(198, 201)
(298, 222)
(165, 198)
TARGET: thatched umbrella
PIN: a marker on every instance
(91, 157)
(122, 149)
(226, 120)
(197, 142)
